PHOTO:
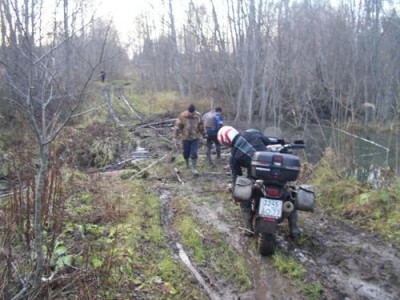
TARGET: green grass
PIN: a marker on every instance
(208, 246)
(295, 271)
(126, 250)
(114, 230)
(191, 238)
(288, 266)
(165, 103)
(369, 209)
(226, 261)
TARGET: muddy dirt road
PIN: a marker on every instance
(350, 264)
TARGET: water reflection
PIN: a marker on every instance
(363, 154)
(140, 154)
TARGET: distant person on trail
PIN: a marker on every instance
(102, 75)
(243, 147)
(189, 125)
(213, 121)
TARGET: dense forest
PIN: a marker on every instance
(286, 64)
(301, 61)
(272, 60)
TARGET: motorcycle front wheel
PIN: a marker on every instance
(266, 244)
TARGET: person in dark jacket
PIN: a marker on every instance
(243, 146)
(213, 122)
(241, 155)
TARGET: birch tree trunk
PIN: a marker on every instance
(67, 45)
(38, 242)
(240, 57)
(177, 58)
(250, 63)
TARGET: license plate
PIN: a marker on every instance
(270, 208)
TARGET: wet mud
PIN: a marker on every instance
(349, 263)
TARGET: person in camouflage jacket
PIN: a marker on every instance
(190, 127)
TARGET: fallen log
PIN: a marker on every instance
(164, 123)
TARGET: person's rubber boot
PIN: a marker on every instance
(209, 159)
(219, 155)
(187, 163)
(294, 230)
(208, 155)
(194, 167)
(248, 228)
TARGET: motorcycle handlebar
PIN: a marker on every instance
(287, 147)
(298, 146)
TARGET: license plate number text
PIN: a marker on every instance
(270, 208)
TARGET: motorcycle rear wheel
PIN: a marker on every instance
(266, 244)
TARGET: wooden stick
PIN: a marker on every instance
(363, 139)
(199, 233)
(150, 166)
(175, 172)
(164, 122)
(183, 256)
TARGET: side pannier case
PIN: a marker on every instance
(305, 198)
(243, 188)
(275, 166)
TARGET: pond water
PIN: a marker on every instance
(140, 154)
(365, 154)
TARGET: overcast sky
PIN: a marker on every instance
(124, 12)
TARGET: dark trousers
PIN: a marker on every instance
(190, 149)
(210, 140)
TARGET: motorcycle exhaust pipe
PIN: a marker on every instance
(288, 207)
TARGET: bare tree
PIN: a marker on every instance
(281, 60)
(250, 60)
(177, 58)
(35, 77)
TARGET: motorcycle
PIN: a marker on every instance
(272, 196)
